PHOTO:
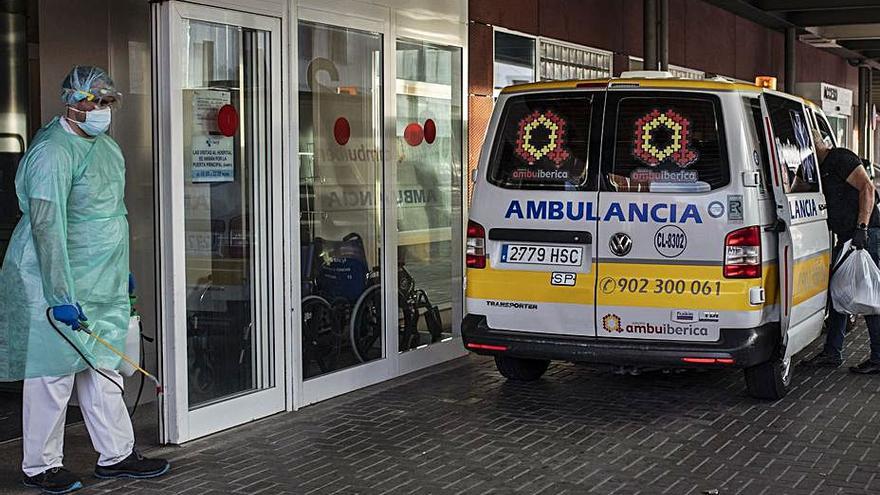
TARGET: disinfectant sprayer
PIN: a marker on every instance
(128, 362)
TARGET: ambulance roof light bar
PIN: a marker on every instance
(766, 82)
(647, 74)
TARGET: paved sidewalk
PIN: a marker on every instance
(460, 428)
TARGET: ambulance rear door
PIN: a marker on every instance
(804, 242)
(535, 210)
(671, 199)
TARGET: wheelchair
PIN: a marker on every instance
(342, 306)
(219, 334)
(339, 293)
(412, 304)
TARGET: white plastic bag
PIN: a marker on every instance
(855, 284)
(132, 345)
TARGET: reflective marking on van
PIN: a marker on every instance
(651, 285)
(680, 286)
(810, 276)
(529, 286)
(702, 287)
(586, 211)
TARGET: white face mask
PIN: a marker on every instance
(97, 121)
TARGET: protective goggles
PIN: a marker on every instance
(102, 97)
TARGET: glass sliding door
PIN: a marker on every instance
(379, 101)
(224, 340)
(225, 72)
(340, 94)
(428, 165)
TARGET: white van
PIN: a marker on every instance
(648, 221)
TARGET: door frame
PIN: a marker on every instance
(382, 20)
(794, 335)
(373, 19)
(178, 423)
(447, 349)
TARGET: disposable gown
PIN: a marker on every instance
(70, 246)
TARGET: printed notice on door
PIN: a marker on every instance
(205, 105)
(212, 159)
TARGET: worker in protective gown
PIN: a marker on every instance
(69, 259)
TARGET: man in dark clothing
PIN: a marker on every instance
(852, 215)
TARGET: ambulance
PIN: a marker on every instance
(648, 222)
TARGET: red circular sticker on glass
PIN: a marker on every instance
(341, 131)
(413, 134)
(227, 120)
(430, 131)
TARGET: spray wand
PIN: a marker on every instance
(85, 328)
(83, 325)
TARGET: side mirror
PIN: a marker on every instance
(474, 174)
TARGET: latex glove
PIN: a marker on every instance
(131, 284)
(860, 239)
(69, 314)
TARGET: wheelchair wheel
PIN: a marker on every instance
(365, 326)
(435, 324)
(321, 341)
(201, 376)
(408, 324)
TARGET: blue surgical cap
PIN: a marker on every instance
(86, 82)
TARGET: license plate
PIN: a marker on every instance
(541, 255)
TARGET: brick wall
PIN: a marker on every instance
(701, 36)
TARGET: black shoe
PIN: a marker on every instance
(823, 360)
(868, 367)
(56, 480)
(134, 466)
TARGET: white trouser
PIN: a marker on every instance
(45, 407)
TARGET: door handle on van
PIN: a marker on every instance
(540, 235)
(777, 226)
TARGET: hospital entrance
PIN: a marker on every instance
(36, 55)
(294, 190)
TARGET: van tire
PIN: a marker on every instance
(519, 369)
(770, 380)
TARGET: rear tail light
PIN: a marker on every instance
(476, 245)
(742, 253)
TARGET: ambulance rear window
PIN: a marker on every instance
(542, 142)
(668, 144)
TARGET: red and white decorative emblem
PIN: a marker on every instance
(646, 147)
(554, 148)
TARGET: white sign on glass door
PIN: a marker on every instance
(212, 159)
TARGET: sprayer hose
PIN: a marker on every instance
(81, 354)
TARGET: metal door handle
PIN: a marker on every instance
(777, 226)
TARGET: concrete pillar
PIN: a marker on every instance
(864, 114)
(790, 57)
(649, 34)
(663, 33)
